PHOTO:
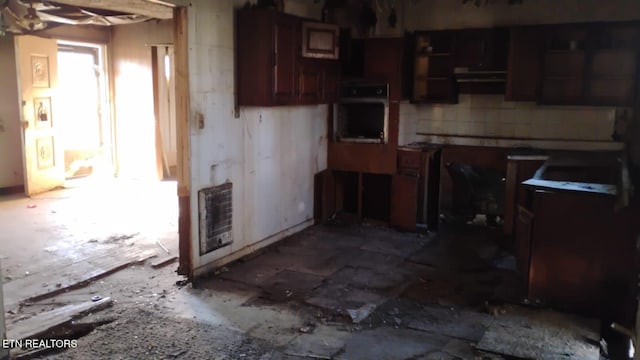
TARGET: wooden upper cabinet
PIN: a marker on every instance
(526, 47)
(255, 57)
(481, 49)
(433, 63)
(613, 65)
(284, 65)
(266, 46)
(331, 82)
(320, 40)
(383, 62)
(309, 82)
(270, 68)
(472, 49)
(564, 65)
(590, 64)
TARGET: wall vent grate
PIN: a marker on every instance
(215, 213)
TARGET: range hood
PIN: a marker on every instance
(467, 75)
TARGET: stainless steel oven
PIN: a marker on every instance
(362, 113)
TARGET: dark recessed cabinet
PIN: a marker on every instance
(433, 80)
(273, 68)
(449, 62)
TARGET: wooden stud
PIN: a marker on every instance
(156, 113)
(183, 142)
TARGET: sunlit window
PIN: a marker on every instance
(167, 65)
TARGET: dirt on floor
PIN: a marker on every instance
(329, 292)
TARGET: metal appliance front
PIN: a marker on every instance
(362, 114)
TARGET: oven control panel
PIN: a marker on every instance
(365, 91)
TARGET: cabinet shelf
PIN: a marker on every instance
(432, 78)
(433, 54)
(612, 77)
(565, 51)
(563, 78)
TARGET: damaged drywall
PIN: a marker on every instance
(269, 154)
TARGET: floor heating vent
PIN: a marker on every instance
(214, 208)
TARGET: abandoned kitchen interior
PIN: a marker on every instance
(320, 179)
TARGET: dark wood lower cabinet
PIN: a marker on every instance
(523, 229)
(404, 204)
(519, 169)
(415, 189)
(576, 253)
(324, 196)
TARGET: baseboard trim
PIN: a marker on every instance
(205, 269)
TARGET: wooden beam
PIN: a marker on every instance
(171, 3)
(183, 111)
(138, 7)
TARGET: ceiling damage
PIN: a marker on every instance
(25, 16)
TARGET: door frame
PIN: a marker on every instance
(106, 116)
(183, 111)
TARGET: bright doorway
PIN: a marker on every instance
(83, 110)
(79, 108)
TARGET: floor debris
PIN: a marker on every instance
(31, 289)
(162, 246)
(163, 261)
(361, 313)
(43, 323)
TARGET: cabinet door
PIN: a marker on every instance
(472, 49)
(612, 77)
(564, 68)
(523, 75)
(331, 85)
(433, 63)
(481, 49)
(383, 62)
(284, 67)
(324, 203)
(309, 83)
(563, 81)
(254, 57)
(524, 231)
(404, 201)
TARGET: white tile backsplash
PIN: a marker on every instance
(492, 116)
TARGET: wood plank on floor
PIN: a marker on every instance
(163, 261)
(40, 286)
(45, 322)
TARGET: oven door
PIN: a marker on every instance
(361, 120)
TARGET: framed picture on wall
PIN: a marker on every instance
(42, 111)
(40, 71)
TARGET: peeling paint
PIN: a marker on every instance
(270, 154)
